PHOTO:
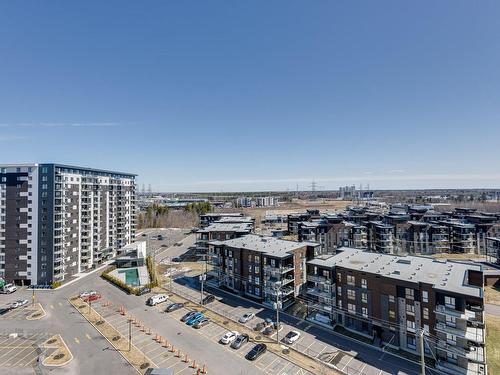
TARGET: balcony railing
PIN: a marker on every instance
(470, 333)
(468, 315)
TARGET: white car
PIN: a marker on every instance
(291, 337)
(19, 303)
(8, 288)
(88, 293)
(229, 337)
(246, 317)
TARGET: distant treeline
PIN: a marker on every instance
(159, 216)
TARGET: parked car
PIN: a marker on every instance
(246, 317)
(201, 323)
(92, 298)
(8, 288)
(240, 340)
(207, 299)
(256, 352)
(143, 291)
(259, 326)
(4, 310)
(195, 319)
(291, 337)
(178, 244)
(87, 293)
(160, 237)
(188, 316)
(174, 306)
(19, 303)
(144, 235)
(176, 260)
(229, 337)
(156, 299)
(270, 329)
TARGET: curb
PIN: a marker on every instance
(60, 364)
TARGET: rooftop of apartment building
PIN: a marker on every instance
(222, 214)
(227, 227)
(444, 275)
(271, 246)
(234, 219)
(102, 172)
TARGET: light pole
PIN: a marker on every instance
(203, 277)
(277, 289)
(422, 352)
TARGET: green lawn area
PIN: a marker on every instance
(492, 344)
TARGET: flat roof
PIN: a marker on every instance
(234, 219)
(271, 246)
(227, 227)
(222, 214)
(445, 275)
(69, 167)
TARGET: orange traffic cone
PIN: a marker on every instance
(194, 364)
(204, 370)
(186, 360)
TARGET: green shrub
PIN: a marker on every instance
(56, 284)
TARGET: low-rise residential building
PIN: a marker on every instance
(390, 300)
(493, 249)
(266, 269)
(220, 231)
(209, 218)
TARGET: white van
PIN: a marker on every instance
(156, 299)
(9, 288)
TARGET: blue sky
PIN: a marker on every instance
(256, 95)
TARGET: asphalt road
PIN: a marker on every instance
(93, 354)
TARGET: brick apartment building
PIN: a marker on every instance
(58, 220)
(401, 230)
(390, 299)
(260, 267)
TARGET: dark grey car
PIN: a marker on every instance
(240, 340)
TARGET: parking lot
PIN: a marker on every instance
(20, 313)
(22, 351)
(233, 307)
(160, 356)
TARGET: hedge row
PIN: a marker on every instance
(152, 272)
(119, 283)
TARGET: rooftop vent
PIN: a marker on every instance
(396, 272)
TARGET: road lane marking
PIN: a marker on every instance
(52, 307)
(88, 336)
(76, 340)
(60, 304)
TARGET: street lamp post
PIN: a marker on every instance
(203, 277)
(277, 289)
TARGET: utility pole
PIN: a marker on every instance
(33, 298)
(278, 295)
(422, 352)
(203, 277)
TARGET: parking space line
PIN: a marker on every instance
(33, 350)
(349, 361)
(6, 353)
